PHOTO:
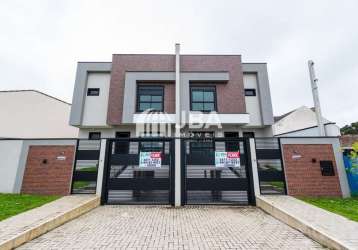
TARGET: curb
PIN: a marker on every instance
(50, 224)
(300, 225)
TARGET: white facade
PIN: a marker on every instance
(94, 117)
(32, 114)
(303, 122)
(95, 108)
(252, 102)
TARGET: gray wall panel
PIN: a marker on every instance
(79, 92)
(264, 89)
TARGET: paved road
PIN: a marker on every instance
(158, 227)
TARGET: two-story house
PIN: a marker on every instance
(229, 97)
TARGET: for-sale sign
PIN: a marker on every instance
(150, 159)
(227, 159)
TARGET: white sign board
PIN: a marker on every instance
(61, 158)
(227, 159)
(150, 159)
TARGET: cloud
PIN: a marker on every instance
(42, 41)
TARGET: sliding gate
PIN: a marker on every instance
(139, 171)
(216, 171)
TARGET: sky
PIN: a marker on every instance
(41, 42)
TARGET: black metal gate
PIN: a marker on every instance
(85, 171)
(270, 166)
(205, 181)
(129, 181)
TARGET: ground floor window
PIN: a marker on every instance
(151, 146)
(248, 134)
(122, 147)
(232, 146)
(94, 135)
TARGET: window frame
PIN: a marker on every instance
(250, 89)
(93, 89)
(208, 87)
(139, 85)
(122, 147)
(152, 148)
(90, 134)
(248, 134)
(232, 146)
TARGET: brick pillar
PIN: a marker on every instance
(48, 170)
(303, 172)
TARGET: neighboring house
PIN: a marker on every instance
(33, 114)
(302, 122)
(348, 140)
(110, 97)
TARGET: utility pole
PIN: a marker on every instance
(316, 102)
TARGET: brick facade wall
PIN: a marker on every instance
(52, 177)
(230, 96)
(303, 176)
(123, 63)
(169, 98)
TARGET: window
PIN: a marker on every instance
(203, 99)
(248, 134)
(151, 146)
(205, 142)
(94, 135)
(250, 92)
(93, 92)
(150, 98)
(233, 145)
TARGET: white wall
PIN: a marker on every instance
(300, 118)
(95, 107)
(107, 132)
(30, 114)
(10, 152)
(252, 102)
(331, 130)
(110, 132)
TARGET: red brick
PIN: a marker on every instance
(230, 96)
(53, 178)
(304, 177)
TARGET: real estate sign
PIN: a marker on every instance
(227, 159)
(150, 159)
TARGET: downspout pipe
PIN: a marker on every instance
(177, 198)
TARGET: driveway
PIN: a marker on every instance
(160, 227)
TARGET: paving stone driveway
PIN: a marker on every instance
(159, 227)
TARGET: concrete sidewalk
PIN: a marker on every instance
(329, 229)
(26, 226)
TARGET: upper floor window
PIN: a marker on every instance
(203, 98)
(250, 92)
(93, 92)
(150, 97)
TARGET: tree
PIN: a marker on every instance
(354, 152)
(350, 129)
